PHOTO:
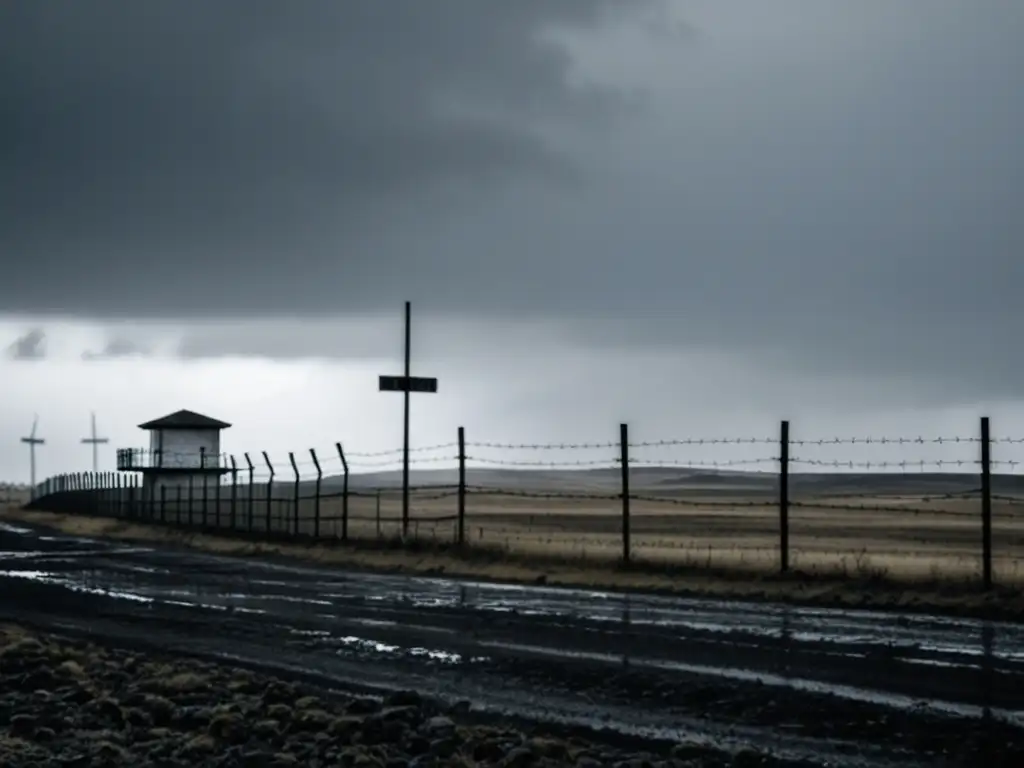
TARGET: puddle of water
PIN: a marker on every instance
(851, 693)
(376, 646)
(33, 575)
(8, 528)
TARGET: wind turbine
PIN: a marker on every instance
(32, 441)
(95, 442)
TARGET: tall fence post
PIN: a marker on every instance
(191, 495)
(462, 487)
(249, 502)
(216, 492)
(177, 506)
(784, 496)
(234, 493)
(295, 500)
(316, 497)
(986, 504)
(344, 493)
(202, 470)
(624, 461)
(163, 503)
(270, 487)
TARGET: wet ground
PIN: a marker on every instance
(828, 687)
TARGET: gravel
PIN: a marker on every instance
(75, 704)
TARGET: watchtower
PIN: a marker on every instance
(184, 449)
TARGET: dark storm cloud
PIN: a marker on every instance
(145, 142)
(31, 346)
(834, 186)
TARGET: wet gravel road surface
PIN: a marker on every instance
(816, 686)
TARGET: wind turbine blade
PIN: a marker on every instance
(35, 423)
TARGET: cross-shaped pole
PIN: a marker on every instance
(32, 441)
(407, 384)
(95, 442)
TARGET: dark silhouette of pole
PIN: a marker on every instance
(624, 456)
(96, 442)
(406, 384)
(986, 504)
(784, 496)
(32, 441)
(316, 502)
(344, 493)
(249, 500)
(405, 420)
(462, 487)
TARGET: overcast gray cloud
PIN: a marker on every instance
(834, 186)
(143, 142)
(31, 346)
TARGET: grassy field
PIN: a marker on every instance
(903, 551)
(897, 537)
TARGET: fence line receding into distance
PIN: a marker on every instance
(775, 503)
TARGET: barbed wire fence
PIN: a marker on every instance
(773, 502)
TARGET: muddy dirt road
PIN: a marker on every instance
(823, 687)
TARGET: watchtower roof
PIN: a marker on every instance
(185, 420)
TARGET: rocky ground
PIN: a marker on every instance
(72, 703)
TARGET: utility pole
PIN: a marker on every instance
(32, 441)
(95, 442)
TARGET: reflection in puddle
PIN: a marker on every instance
(8, 528)
(365, 644)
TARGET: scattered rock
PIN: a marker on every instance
(23, 725)
(75, 705)
(404, 699)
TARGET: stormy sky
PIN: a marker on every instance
(698, 217)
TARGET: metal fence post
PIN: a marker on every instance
(295, 499)
(316, 497)
(270, 487)
(344, 493)
(249, 502)
(784, 496)
(202, 469)
(216, 492)
(234, 493)
(462, 487)
(624, 461)
(986, 504)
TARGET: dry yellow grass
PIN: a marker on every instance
(928, 541)
(919, 558)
